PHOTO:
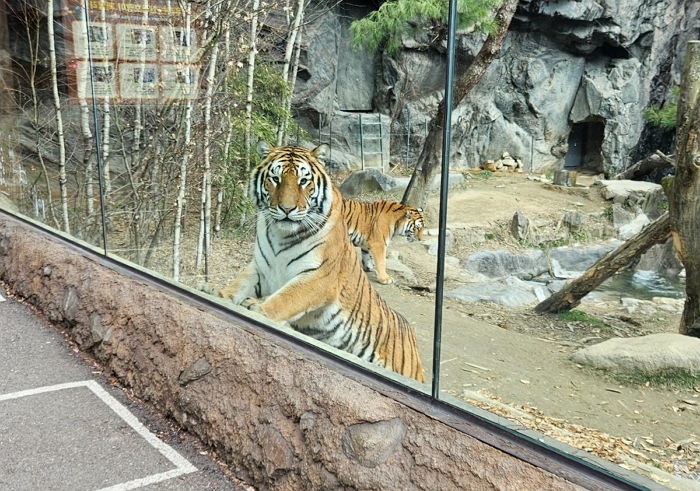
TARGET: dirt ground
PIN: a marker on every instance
(516, 363)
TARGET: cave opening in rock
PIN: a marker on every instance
(585, 143)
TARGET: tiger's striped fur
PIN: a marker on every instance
(372, 225)
(306, 271)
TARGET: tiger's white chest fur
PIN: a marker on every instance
(280, 256)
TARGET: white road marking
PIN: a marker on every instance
(183, 466)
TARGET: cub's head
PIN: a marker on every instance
(413, 223)
(290, 186)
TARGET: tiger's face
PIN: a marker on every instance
(414, 224)
(290, 186)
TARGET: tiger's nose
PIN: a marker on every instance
(287, 209)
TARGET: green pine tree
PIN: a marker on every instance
(384, 27)
(664, 116)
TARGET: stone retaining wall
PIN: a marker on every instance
(280, 417)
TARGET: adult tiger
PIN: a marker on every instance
(306, 271)
(372, 225)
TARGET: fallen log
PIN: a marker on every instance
(646, 166)
(571, 294)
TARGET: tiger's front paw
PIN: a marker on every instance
(253, 304)
(385, 280)
(207, 288)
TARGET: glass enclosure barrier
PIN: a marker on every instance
(135, 126)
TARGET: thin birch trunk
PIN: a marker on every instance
(291, 43)
(138, 122)
(106, 128)
(62, 179)
(249, 89)
(292, 83)
(88, 147)
(33, 50)
(202, 230)
(219, 205)
(249, 93)
(205, 230)
(180, 203)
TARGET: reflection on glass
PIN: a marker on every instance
(47, 152)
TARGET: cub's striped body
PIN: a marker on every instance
(306, 271)
(372, 225)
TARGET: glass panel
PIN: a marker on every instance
(600, 377)
(163, 104)
(47, 153)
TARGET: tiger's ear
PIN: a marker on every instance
(321, 152)
(263, 148)
(419, 210)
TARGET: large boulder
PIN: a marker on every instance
(572, 262)
(501, 264)
(632, 228)
(510, 292)
(647, 354)
(661, 259)
(367, 181)
(620, 191)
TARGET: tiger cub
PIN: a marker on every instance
(306, 271)
(372, 225)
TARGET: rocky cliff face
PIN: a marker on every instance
(568, 89)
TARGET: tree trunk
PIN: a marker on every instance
(62, 178)
(138, 106)
(186, 154)
(570, 296)
(430, 157)
(204, 243)
(88, 147)
(289, 50)
(249, 88)
(646, 166)
(33, 57)
(684, 200)
(106, 123)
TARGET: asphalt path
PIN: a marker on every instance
(63, 426)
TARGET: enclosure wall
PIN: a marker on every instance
(281, 418)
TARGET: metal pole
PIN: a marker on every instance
(362, 147)
(98, 152)
(442, 224)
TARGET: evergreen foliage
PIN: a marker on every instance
(664, 116)
(385, 26)
(270, 91)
